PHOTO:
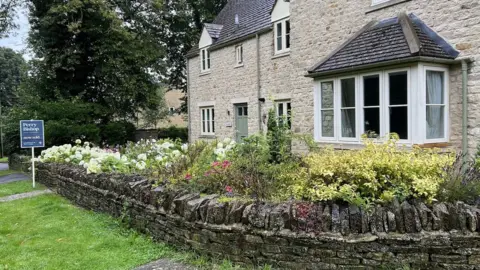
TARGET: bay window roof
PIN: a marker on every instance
(403, 38)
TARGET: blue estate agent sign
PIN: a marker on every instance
(31, 134)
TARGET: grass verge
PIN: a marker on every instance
(18, 187)
(47, 232)
(4, 160)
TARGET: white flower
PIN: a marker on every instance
(81, 163)
(142, 157)
(67, 160)
(124, 158)
(141, 165)
(78, 156)
(78, 141)
(220, 145)
(184, 147)
(159, 158)
(176, 153)
(154, 141)
(168, 165)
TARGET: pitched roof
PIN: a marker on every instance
(253, 16)
(213, 30)
(401, 37)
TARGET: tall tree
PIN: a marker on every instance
(8, 10)
(183, 24)
(13, 71)
(100, 51)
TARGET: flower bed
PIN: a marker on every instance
(378, 173)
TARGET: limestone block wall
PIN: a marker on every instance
(290, 235)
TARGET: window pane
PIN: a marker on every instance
(398, 88)
(435, 87)
(372, 121)
(213, 120)
(348, 123)
(241, 54)
(280, 109)
(289, 108)
(399, 121)
(208, 120)
(435, 122)
(279, 36)
(245, 111)
(327, 123)
(203, 121)
(287, 33)
(327, 95)
(203, 59)
(348, 93)
(240, 111)
(371, 90)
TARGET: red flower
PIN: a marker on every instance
(188, 177)
(229, 189)
(215, 164)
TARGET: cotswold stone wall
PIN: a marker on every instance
(287, 235)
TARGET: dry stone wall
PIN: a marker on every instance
(290, 235)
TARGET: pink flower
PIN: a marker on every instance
(226, 164)
(229, 189)
(188, 177)
(215, 164)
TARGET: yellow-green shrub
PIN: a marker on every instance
(378, 172)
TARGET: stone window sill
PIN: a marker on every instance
(205, 73)
(238, 66)
(385, 5)
(207, 137)
(280, 55)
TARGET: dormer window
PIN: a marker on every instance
(205, 59)
(282, 36)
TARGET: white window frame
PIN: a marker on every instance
(285, 113)
(283, 37)
(207, 127)
(239, 55)
(416, 105)
(205, 62)
(338, 108)
(423, 76)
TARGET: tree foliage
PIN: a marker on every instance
(183, 23)
(13, 70)
(103, 52)
(8, 10)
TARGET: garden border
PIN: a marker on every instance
(285, 235)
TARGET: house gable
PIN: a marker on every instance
(205, 39)
(281, 10)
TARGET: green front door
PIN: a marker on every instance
(241, 122)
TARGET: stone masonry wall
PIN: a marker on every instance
(291, 235)
(317, 28)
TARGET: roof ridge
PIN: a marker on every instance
(409, 32)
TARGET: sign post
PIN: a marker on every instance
(32, 136)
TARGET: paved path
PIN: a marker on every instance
(3, 166)
(11, 177)
(165, 264)
(24, 195)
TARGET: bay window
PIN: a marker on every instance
(411, 102)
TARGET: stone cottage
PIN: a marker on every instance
(340, 69)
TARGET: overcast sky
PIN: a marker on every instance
(18, 38)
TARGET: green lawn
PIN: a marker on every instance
(4, 160)
(18, 187)
(47, 232)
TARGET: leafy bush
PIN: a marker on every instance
(462, 181)
(377, 173)
(118, 132)
(173, 133)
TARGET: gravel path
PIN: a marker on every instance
(24, 195)
(13, 178)
(165, 264)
